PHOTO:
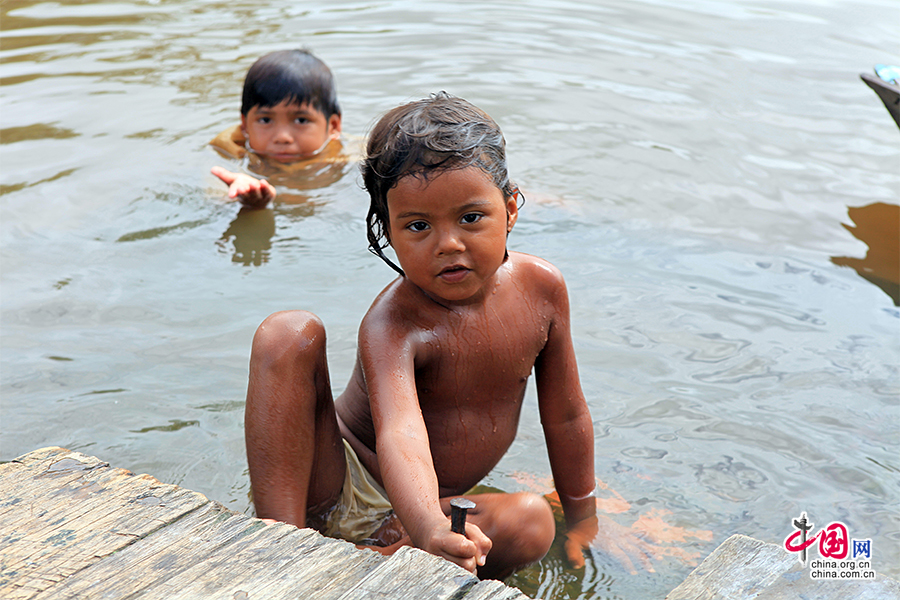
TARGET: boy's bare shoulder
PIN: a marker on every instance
(390, 311)
(540, 273)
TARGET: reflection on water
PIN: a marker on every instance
(154, 232)
(39, 131)
(174, 425)
(251, 236)
(878, 226)
(737, 372)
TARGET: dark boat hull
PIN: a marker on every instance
(889, 94)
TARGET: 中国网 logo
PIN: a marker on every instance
(841, 557)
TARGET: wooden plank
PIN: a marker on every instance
(494, 590)
(327, 577)
(281, 562)
(212, 553)
(411, 574)
(745, 568)
(204, 556)
(72, 527)
(739, 568)
(61, 511)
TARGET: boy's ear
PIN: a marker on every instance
(334, 126)
(244, 125)
(512, 213)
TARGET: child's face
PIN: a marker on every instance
(289, 132)
(449, 232)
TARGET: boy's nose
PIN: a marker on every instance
(283, 135)
(450, 242)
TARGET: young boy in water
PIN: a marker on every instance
(445, 352)
(290, 119)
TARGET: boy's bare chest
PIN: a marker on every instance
(480, 352)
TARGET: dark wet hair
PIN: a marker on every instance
(293, 75)
(422, 139)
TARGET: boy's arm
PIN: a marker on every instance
(565, 418)
(568, 429)
(404, 454)
(252, 192)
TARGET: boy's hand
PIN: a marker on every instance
(468, 551)
(252, 192)
(603, 534)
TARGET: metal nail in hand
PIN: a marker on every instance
(458, 509)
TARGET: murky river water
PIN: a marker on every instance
(692, 167)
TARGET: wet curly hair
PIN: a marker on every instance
(422, 139)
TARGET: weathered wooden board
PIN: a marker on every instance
(383, 583)
(493, 590)
(215, 553)
(743, 568)
(72, 527)
(60, 511)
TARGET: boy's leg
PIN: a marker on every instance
(521, 527)
(294, 446)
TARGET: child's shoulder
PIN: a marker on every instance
(397, 320)
(390, 306)
(230, 143)
(537, 271)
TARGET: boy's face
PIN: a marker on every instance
(289, 132)
(449, 232)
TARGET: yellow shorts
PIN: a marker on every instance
(362, 507)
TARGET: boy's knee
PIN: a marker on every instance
(539, 521)
(532, 525)
(288, 334)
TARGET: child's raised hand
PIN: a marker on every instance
(250, 191)
(468, 551)
(602, 533)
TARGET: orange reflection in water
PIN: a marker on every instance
(878, 226)
(658, 538)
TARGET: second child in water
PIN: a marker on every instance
(444, 355)
(290, 120)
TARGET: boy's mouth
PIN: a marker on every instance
(453, 273)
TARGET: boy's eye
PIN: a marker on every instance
(417, 226)
(471, 218)
(301, 120)
(265, 120)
